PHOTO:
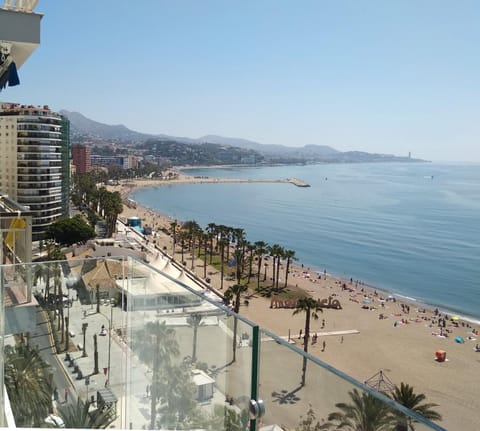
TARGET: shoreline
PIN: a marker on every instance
(187, 179)
(404, 334)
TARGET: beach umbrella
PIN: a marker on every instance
(454, 318)
(459, 340)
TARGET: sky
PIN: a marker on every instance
(380, 76)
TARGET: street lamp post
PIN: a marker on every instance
(84, 330)
(109, 341)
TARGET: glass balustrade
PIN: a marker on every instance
(150, 348)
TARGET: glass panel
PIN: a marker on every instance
(185, 370)
(325, 400)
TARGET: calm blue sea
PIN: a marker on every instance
(410, 229)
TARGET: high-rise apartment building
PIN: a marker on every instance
(34, 162)
(82, 158)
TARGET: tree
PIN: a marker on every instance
(173, 229)
(176, 392)
(275, 251)
(112, 206)
(53, 251)
(289, 255)
(192, 228)
(194, 320)
(251, 249)
(235, 291)
(310, 307)
(212, 230)
(205, 238)
(239, 254)
(156, 344)
(79, 415)
(365, 413)
(225, 418)
(68, 231)
(309, 422)
(39, 273)
(405, 396)
(222, 243)
(27, 380)
(260, 250)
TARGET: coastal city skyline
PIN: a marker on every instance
(375, 77)
(164, 285)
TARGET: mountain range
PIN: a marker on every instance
(83, 128)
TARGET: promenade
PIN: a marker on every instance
(121, 375)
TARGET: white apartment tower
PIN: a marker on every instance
(34, 162)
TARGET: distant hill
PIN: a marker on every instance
(81, 125)
(83, 128)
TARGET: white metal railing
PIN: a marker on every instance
(20, 5)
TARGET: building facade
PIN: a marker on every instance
(82, 158)
(35, 162)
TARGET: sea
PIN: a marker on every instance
(408, 229)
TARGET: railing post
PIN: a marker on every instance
(255, 369)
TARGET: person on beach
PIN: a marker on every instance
(323, 345)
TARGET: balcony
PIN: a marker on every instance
(19, 29)
(147, 350)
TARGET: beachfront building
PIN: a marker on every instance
(117, 161)
(35, 162)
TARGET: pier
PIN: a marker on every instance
(297, 182)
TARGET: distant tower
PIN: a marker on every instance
(82, 158)
(409, 155)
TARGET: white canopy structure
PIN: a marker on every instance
(185, 279)
(171, 270)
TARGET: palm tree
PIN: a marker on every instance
(260, 251)
(173, 229)
(79, 415)
(39, 273)
(289, 255)
(192, 228)
(111, 206)
(177, 397)
(205, 238)
(194, 320)
(212, 230)
(405, 396)
(275, 251)
(251, 249)
(222, 243)
(239, 255)
(27, 380)
(182, 236)
(235, 291)
(365, 413)
(310, 307)
(165, 346)
(56, 273)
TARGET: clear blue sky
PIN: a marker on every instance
(378, 76)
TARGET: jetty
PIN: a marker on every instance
(297, 182)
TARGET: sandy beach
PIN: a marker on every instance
(370, 333)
